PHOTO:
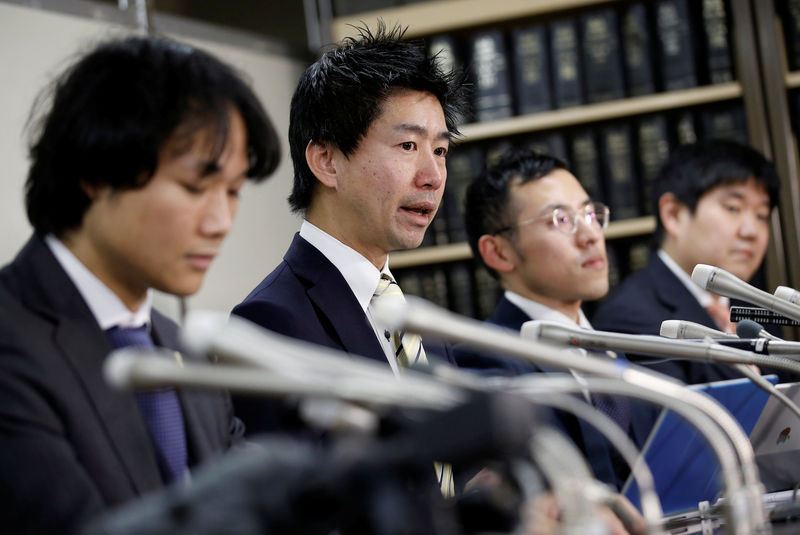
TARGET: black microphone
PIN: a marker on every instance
(762, 315)
(722, 282)
(763, 346)
(752, 329)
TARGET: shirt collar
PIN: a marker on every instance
(360, 274)
(703, 297)
(108, 309)
(538, 311)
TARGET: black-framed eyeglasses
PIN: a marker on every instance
(566, 220)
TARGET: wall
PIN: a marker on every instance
(36, 44)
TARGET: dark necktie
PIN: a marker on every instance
(618, 408)
(160, 410)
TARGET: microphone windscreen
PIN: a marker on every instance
(669, 328)
(787, 294)
(748, 329)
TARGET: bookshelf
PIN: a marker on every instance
(462, 18)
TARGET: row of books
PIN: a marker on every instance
(600, 54)
(466, 288)
(616, 162)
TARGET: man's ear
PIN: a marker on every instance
(496, 252)
(320, 159)
(94, 191)
(671, 211)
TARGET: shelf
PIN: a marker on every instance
(460, 251)
(793, 79)
(448, 15)
(600, 112)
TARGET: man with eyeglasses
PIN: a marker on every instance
(533, 226)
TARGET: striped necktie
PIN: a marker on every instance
(409, 351)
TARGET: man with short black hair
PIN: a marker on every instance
(136, 165)
(713, 201)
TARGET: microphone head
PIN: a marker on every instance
(201, 329)
(748, 329)
(669, 328)
(701, 274)
(392, 313)
(118, 367)
(531, 330)
(787, 294)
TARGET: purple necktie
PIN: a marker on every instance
(160, 409)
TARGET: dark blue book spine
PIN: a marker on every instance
(490, 69)
(789, 12)
(464, 163)
(585, 159)
(652, 137)
(724, 122)
(531, 65)
(566, 63)
(716, 41)
(450, 56)
(602, 56)
(622, 192)
(676, 50)
(638, 50)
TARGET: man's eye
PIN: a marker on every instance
(193, 189)
(441, 151)
(408, 145)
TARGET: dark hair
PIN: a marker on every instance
(692, 170)
(486, 206)
(340, 95)
(112, 112)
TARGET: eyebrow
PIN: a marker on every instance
(421, 130)
(554, 206)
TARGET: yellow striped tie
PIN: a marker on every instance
(409, 351)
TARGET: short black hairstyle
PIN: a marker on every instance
(341, 94)
(693, 170)
(107, 117)
(487, 201)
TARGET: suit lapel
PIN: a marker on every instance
(331, 295)
(674, 296)
(84, 346)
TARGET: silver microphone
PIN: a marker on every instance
(721, 282)
(788, 294)
(720, 429)
(680, 329)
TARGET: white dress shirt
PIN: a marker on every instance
(703, 297)
(107, 308)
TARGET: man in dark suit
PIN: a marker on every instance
(713, 201)
(370, 127)
(534, 227)
(136, 165)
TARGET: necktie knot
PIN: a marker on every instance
(129, 336)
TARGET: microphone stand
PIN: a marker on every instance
(746, 513)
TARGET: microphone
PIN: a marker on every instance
(722, 282)
(718, 427)
(752, 329)
(788, 294)
(764, 346)
(680, 329)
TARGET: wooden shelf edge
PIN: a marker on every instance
(447, 15)
(602, 111)
(793, 79)
(460, 251)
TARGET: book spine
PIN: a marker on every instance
(718, 62)
(677, 55)
(492, 96)
(566, 64)
(451, 58)
(789, 12)
(462, 294)
(621, 189)
(531, 60)
(586, 163)
(724, 122)
(602, 58)
(463, 165)
(652, 137)
(638, 50)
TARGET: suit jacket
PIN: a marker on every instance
(306, 297)
(71, 445)
(645, 299)
(605, 463)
